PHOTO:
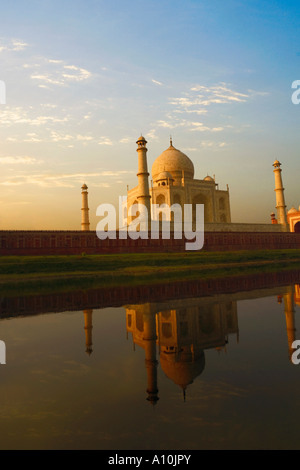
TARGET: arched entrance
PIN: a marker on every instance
(297, 227)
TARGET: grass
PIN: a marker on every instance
(29, 274)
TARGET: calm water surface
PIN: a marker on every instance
(210, 372)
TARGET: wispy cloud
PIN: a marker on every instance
(199, 97)
(156, 82)
(17, 115)
(207, 144)
(105, 141)
(201, 100)
(14, 45)
(67, 180)
(49, 72)
(17, 160)
(126, 140)
(174, 123)
(200, 127)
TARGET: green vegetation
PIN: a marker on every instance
(24, 274)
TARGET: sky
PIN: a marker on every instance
(84, 79)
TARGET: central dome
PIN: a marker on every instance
(174, 162)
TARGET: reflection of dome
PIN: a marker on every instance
(182, 372)
(174, 162)
(209, 179)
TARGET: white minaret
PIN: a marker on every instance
(279, 190)
(85, 222)
(143, 177)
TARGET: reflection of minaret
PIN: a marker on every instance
(85, 222)
(149, 338)
(141, 321)
(297, 294)
(289, 311)
(88, 326)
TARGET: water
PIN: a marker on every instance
(191, 372)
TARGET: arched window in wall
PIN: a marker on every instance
(132, 215)
(160, 200)
(222, 204)
(200, 199)
(176, 199)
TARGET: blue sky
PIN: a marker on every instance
(85, 78)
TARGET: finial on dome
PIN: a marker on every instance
(171, 143)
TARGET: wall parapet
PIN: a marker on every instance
(13, 242)
(241, 227)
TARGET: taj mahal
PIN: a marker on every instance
(173, 182)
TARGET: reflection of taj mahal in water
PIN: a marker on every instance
(182, 335)
(176, 338)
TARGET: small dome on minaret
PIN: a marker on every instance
(141, 142)
(277, 164)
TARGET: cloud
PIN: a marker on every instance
(152, 134)
(200, 97)
(67, 180)
(55, 72)
(199, 126)
(105, 141)
(166, 124)
(18, 115)
(212, 145)
(174, 123)
(156, 82)
(19, 45)
(84, 138)
(17, 160)
(126, 140)
(14, 45)
(32, 137)
(201, 100)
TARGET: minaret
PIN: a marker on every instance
(143, 175)
(85, 222)
(279, 189)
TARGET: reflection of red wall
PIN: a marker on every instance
(77, 242)
(77, 300)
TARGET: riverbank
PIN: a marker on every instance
(24, 274)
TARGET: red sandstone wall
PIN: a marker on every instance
(76, 242)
